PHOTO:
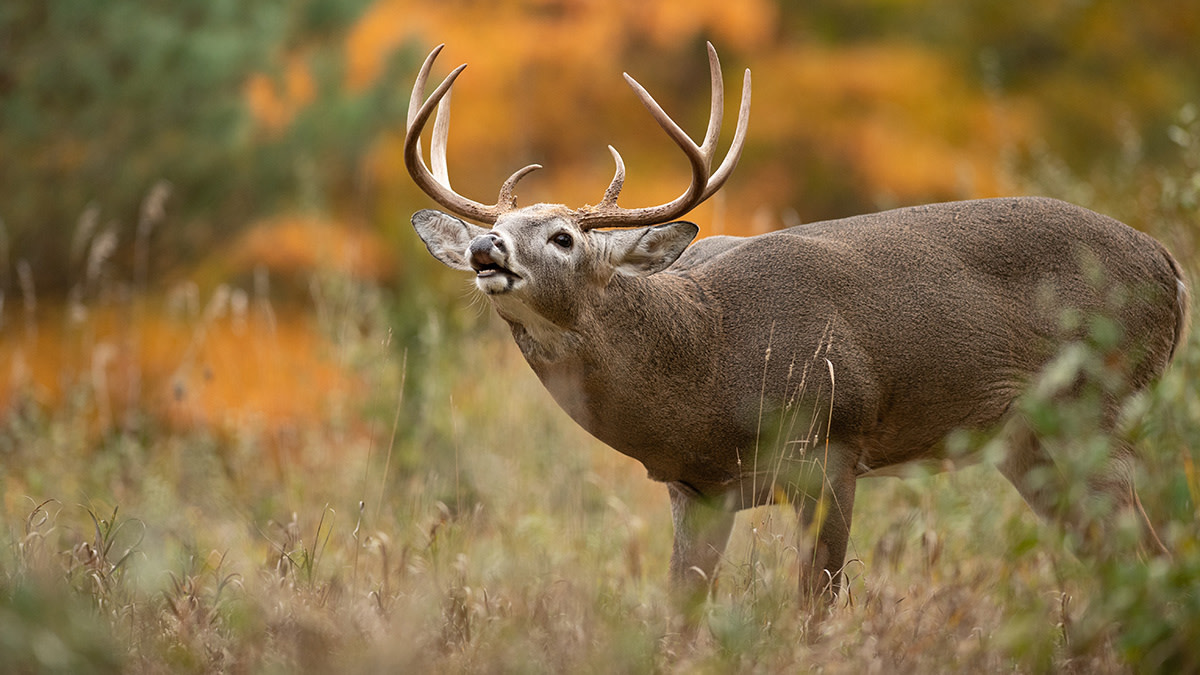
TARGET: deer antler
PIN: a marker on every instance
(704, 184)
(436, 184)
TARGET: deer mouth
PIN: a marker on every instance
(491, 270)
(487, 255)
(495, 279)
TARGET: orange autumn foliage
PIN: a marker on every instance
(900, 117)
(230, 367)
(275, 102)
(294, 247)
(895, 120)
(504, 38)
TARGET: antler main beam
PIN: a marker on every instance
(436, 184)
(705, 183)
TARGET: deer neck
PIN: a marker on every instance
(637, 335)
(630, 316)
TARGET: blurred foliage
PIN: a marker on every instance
(1101, 72)
(99, 101)
(858, 105)
(253, 109)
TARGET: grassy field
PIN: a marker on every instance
(430, 509)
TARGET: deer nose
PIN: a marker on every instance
(486, 249)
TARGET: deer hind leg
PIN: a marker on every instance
(1113, 487)
(825, 514)
(1109, 496)
(701, 533)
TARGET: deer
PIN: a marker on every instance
(781, 368)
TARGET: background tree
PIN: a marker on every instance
(100, 101)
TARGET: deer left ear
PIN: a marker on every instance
(646, 250)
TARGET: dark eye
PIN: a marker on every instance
(562, 240)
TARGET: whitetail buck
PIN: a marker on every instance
(783, 367)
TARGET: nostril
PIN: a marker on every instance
(496, 241)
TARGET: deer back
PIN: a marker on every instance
(931, 318)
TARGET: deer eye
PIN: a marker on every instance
(562, 240)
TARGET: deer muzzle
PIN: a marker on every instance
(487, 253)
(488, 256)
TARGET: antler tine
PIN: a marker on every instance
(704, 183)
(716, 112)
(441, 135)
(507, 200)
(618, 181)
(436, 184)
(418, 93)
(734, 153)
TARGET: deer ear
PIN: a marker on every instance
(647, 250)
(446, 237)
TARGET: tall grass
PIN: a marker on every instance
(446, 516)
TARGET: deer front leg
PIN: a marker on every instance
(701, 532)
(825, 515)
